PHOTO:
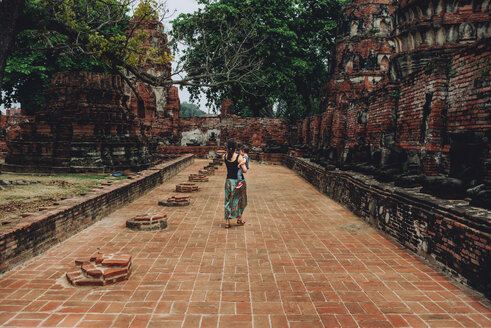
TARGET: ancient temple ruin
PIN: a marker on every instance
(94, 122)
(407, 101)
(85, 127)
(408, 98)
(402, 138)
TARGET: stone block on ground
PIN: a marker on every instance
(198, 178)
(187, 187)
(208, 172)
(100, 270)
(210, 167)
(175, 201)
(147, 222)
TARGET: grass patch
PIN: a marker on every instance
(80, 176)
(18, 199)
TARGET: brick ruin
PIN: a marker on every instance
(407, 101)
(8, 122)
(150, 101)
(85, 127)
(205, 135)
(93, 122)
(100, 270)
(147, 222)
(97, 123)
(408, 98)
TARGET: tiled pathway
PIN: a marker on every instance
(301, 260)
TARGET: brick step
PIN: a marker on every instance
(100, 270)
(147, 222)
(175, 201)
(198, 178)
(187, 187)
(207, 172)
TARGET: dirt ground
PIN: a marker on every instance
(16, 199)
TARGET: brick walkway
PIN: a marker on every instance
(300, 261)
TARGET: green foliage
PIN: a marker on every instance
(88, 35)
(292, 39)
(189, 110)
(28, 72)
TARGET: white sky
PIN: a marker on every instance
(176, 7)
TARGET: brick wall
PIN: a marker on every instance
(455, 238)
(34, 234)
(198, 151)
(444, 102)
(9, 125)
(468, 103)
(469, 88)
(338, 128)
(315, 125)
(3, 135)
(195, 132)
(84, 127)
(382, 114)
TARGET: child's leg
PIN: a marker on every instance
(240, 177)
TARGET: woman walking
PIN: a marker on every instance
(235, 198)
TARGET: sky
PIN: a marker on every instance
(176, 7)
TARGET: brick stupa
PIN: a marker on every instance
(84, 127)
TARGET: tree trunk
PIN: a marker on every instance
(10, 11)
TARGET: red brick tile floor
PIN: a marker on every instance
(301, 260)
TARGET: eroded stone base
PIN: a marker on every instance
(175, 201)
(187, 187)
(198, 178)
(147, 222)
(100, 270)
(209, 171)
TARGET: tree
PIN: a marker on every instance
(10, 11)
(190, 110)
(290, 38)
(28, 70)
(57, 35)
(97, 35)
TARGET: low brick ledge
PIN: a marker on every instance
(449, 233)
(38, 232)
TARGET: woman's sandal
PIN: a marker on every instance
(240, 222)
(227, 226)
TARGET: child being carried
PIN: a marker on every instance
(245, 160)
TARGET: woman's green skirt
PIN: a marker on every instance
(235, 199)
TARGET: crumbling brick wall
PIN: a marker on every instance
(455, 238)
(3, 135)
(151, 100)
(260, 134)
(421, 91)
(382, 113)
(84, 127)
(419, 116)
(468, 115)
